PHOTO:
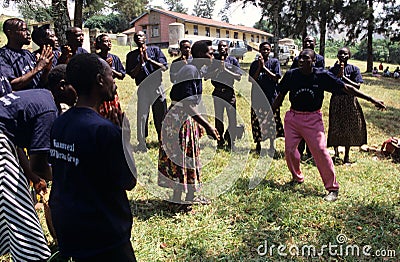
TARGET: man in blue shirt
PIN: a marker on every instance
(306, 86)
(227, 70)
(22, 69)
(308, 43)
(141, 63)
(74, 44)
(89, 206)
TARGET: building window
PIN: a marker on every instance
(258, 39)
(252, 38)
(207, 31)
(217, 33)
(235, 35)
(227, 34)
(244, 37)
(262, 39)
(144, 29)
(155, 31)
(195, 30)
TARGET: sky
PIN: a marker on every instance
(248, 16)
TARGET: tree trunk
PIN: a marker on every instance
(61, 19)
(322, 29)
(276, 30)
(78, 13)
(370, 56)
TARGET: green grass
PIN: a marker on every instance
(240, 220)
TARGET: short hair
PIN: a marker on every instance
(40, 33)
(57, 74)
(348, 50)
(309, 51)
(183, 42)
(99, 39)
(69, 32)
(263, 44)
(82, 71)
(12, 24)
(200, 47)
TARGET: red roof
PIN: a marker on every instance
(207, 22)
(129, 31)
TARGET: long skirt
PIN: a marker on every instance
(20, 232)
(179, 153)
(347, 125)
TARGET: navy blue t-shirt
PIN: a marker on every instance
(154, 53)
(268, 85)
(5, 86)
(116, 64)
(26, 118)
(224, 79)
(16, 63)
(176, 65)
(319, 62)
(189, 85)
(352, 72)
(88, 201)
(306, 92)
(56, 55)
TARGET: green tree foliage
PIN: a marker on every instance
(204, 8)
(224, 13)
(129, 9)
(36, 10)
(111, 23)
(176, 6)
(384, 50)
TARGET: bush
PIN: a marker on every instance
(111, 23)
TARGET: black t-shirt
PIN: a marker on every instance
(319, 62)
(224, 79)
(26, 118)
(189, 85)
(88, 202)
(306, 92)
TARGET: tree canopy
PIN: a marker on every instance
(176, 6)
(204, 8)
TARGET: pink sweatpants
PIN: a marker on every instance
(308, 125)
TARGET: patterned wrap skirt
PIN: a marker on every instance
(20, 232)
(347, 125)
(179, 152)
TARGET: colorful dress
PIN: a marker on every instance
(262, 123)
(347, 125)
(179, 153)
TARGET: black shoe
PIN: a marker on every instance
(332, 196)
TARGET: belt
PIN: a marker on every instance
(304, 112)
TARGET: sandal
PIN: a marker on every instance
(201, 200)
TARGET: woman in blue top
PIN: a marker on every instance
(347, 125)
(179, 165)
(266, 71)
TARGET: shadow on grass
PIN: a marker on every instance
(387, 121)
(287, 222)
(384, 82)
(145, 209)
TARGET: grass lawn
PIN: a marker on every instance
(269, 222)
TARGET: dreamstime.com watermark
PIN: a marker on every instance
(340, 248)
